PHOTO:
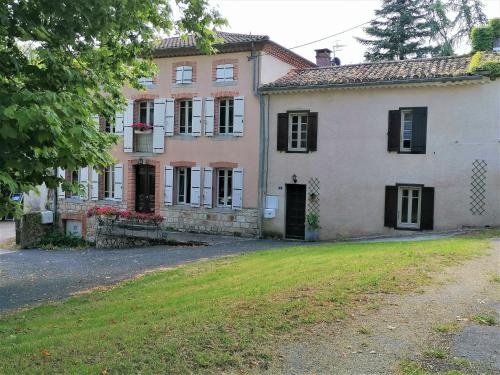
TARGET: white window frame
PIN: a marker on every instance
(109, 178)
(229, 119)
(301, 127)
(228, 188)
(224, 73)
(408, 224)
(150, 110)
(188, 117)
(187, 188)
(402, 132)
(185, 77)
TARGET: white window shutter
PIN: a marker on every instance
(237, 188)
(95, 121)
(159, 125)
(195, 186)
(118, 188)
(61, 173)
(94, 191)
(169, 117)
(128, 131)
(209, 116)
(228, 72)
(119, 117)
(84, 180)
(169, 185)
(238, 116)
(197, 101)
(207, 187)
(178, 74)
(220, 72)
(187, 76)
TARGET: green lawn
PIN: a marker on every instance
(215, 315)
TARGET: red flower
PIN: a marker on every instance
(141, 126)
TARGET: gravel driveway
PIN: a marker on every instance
(33, 276)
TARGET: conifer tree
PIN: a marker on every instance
(399, 31)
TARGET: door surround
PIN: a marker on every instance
(131, 176)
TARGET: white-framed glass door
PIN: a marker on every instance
(409, 206)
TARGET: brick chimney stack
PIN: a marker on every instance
(323, 57)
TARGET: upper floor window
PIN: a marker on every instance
(225, 72)
(297, 132)
(74, 178)
(109, 127)
(226, 116)
(184, 74)
(186, 117)
(146, 112)
(224, 187)
(146, 81)
(407, 130)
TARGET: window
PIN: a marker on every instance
(224, 72)
(186, 117)
(409, 205)
(74, 179)
(406, 130)
(297, 132)
(109, 183)
(146, 81)
(183, 185)
(224, 187)
(184, 74)
(146, 112)
(109, 127)
(226, 108)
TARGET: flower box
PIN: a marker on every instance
(139, 131)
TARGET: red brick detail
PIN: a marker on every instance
(225, 61)
(223, 164)
(79, 217)
(102, 124)
(192, 64)
(184, 95)
(284, 55)
(144, 96)
(226, 93)
(131, 183)
(216, 115)
(100, 190)
(183, 163)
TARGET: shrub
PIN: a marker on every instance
(482, 38)
(54, 240)
(495, 25)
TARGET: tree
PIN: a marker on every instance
(451, 22)
(64, 61)
(398, 32)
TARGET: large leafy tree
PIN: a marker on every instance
(399, 31)
(63, 61)
(451, 22)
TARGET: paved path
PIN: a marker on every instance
(33, 276)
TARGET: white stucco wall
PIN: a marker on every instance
(354, 166)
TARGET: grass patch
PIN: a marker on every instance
(216, 316)
(495, 279)
(438, 353)
(485, 319)
(446, 327)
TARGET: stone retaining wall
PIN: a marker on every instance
(30, 230)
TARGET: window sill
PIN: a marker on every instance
(225, 83)
(185, 137)
(183, 85)
(149, 86)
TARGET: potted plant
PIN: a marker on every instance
(312, 227)
(142, 128)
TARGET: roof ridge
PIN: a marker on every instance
(387, 62)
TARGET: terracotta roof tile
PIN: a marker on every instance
(228, 38)
(377, 72)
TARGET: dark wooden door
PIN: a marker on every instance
(295, 211)
(145, 188)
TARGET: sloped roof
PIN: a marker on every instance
(374, 73)
(228, 38)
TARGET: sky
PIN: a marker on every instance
(295, 22)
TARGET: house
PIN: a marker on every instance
(190, 143)
(381, 148)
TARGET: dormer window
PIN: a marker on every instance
(184, 74)
(225, 72)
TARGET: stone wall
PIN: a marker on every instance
(30, 230)
(212, 220)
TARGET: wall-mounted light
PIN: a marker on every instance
(294, 178)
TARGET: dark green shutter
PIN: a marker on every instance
(394, 130)
(419, 131)
(282, 139)
(391, 206)
(312, 131)
(427, 208)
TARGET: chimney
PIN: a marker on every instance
(323, 57)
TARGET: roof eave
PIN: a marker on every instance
(371, 84)
(193, 51)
